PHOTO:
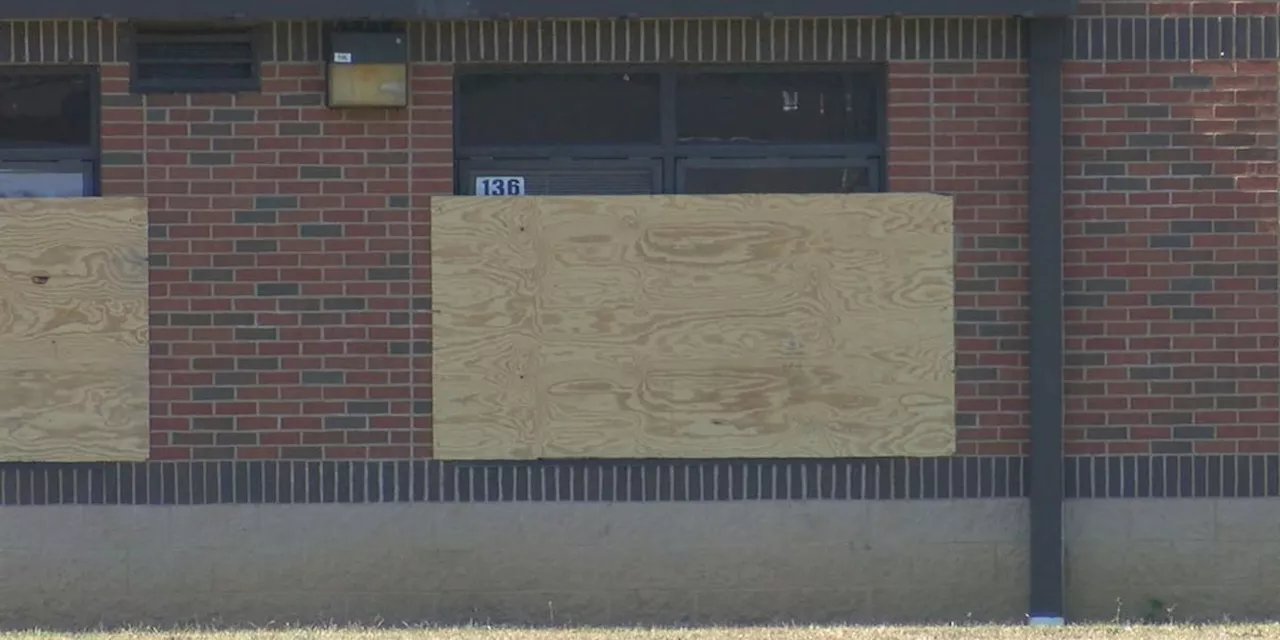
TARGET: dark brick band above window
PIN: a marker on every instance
(1228, 37)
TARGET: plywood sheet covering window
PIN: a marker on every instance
(73, 329)
(693, 326)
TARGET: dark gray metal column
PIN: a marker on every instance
(1046, 38)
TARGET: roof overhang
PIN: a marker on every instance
(491, 9)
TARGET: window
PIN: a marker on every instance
(571, 177)
(672, 129)
(801, 107)
(509, 109)
(186, 59)
(43, 110)
(67, 179)
(48, 132)
(777, 176)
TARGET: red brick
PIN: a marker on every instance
(1170, 323)
(196, 205)
(1184, 278)
(965, 135)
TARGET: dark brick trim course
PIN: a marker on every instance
(1174, 476)
(286, 482)
(293, 482)
(793, 40)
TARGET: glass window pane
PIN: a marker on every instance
(777, 179)
(45, 110)
(557, 109)
(794, 107)
(42, 181)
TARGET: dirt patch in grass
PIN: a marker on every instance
(1100, 632)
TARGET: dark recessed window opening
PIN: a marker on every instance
(671, 129)
(570, 177)
(194, 60)
(553, 108)
(780, 177)
(48, 132)
(801, 107)
(45, 110)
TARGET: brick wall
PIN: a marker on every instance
(291, 269)
(291, 276)
(290, 263)
(1171, 257)
(960, 128)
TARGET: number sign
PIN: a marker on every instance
(499, 186)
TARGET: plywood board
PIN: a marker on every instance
(73, 329)
(693, 326)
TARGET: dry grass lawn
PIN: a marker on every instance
(1101, 632)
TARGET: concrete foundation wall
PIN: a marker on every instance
(1201, 558)
(819, 561)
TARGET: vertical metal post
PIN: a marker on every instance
(1046, 38)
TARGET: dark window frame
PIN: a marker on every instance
(89, 155)
(197, 33)
(669, 151)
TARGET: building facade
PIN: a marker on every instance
(1114, 166)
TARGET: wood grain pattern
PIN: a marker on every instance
(693, 326)
(73, 329)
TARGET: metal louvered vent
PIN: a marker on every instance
(186, 60)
